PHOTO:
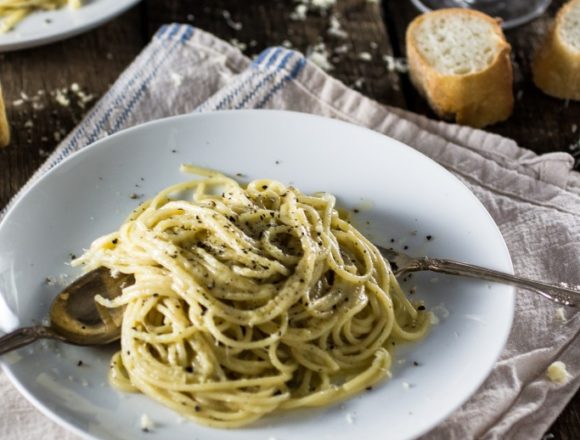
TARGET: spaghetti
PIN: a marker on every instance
(249, 300)
(13, 12)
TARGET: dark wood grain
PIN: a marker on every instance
(567, 425)
(94, 60)
(265, 24)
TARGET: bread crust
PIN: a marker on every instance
(475, 99)
(4, 127)
(556, 65)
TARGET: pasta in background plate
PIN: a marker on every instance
(250, 299)
(14, 11)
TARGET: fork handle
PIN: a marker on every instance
(24, 336)
(558, 294)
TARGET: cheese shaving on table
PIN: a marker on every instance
(558, 373)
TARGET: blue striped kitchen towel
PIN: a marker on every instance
(184, 69)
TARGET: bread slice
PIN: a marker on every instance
(460, 61)
(4, 128)
(556, 66)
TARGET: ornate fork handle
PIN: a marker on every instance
(558, 294)
(24, 336)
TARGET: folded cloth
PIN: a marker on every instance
(535, 200)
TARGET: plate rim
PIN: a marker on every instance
(507, 261)
(70, 31)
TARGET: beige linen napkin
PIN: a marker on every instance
(535, 200)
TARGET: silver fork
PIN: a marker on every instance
(402, 263)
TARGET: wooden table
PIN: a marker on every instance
(94, 60)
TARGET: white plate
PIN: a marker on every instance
(45, 27)
(401, 193)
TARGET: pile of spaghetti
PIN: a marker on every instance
(250, 299)
(14, 11)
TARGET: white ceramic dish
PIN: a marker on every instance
(401, 193)
(45, 27)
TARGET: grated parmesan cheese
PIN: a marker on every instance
(319, 56)
(146, 423)
(335, 28)
(235, 25)
(399, 65)
(441, 311)
(61, 98)
(322, 4)
(365, 56)
(433, 319)
(299, 13)
(559, 315)
(61, 281)
(350, 417)
(238, 44)
(557, 372)
(176, 78)
(304, 6)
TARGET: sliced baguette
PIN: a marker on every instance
(556, 66)
(460, 61)
(4, 128)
